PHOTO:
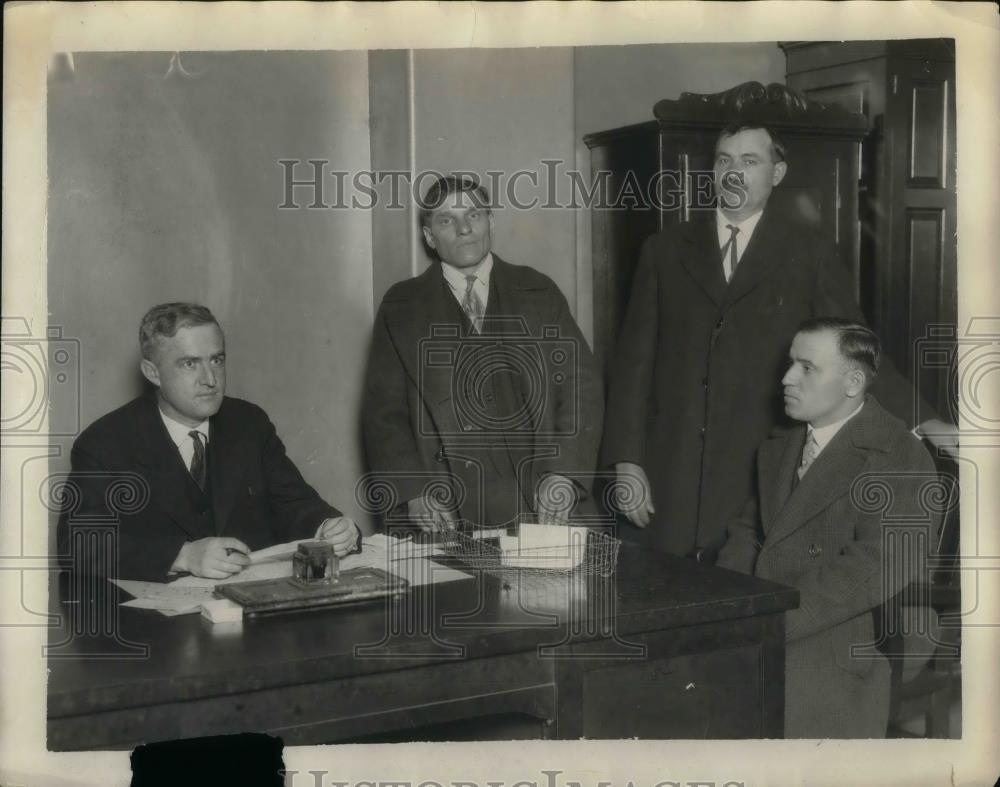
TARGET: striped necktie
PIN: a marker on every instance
(809, 452)
(471, 305)
(198, 469)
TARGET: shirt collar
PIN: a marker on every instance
(746, 226)
(824, 434)
(180, 432)
(456, 276)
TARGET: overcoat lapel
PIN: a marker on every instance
(777, 460)
(759, 258)
(829, 478)
(424, 329)
(703, 260)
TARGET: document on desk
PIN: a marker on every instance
(167, 598)
(185, 595)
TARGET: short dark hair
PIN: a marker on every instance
(447, 185)
(856, 342)
(166, 319)
(778, 150)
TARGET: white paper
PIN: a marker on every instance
(558, 547)
(277, 552)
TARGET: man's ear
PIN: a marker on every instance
(779, 173)
(149, 371)
(855, 383)
(428, 237)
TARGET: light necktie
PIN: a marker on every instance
(730, 247)
(809, 452)
(198, 460)
(471, 305)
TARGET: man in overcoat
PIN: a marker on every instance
(839, 511)
(482, 400)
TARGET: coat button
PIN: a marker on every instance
(704, 381)
(815, 550)
(718, 325)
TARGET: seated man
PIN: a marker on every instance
(804, 526)
(218, 483)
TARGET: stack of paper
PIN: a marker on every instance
(544, 546)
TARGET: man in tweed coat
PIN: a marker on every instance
(825, 490)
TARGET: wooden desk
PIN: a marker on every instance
(667, 648)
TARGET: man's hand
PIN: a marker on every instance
(943, 436)
(634, 498)
(425, 514)
(554, 499)
(341, 532)
(213, 558)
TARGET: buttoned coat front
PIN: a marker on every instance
(849, 536)
(421, 413)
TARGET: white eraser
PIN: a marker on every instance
(222, 611)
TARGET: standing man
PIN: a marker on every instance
(806, 525)
(715, 303)
(480, 382)
(218, 480)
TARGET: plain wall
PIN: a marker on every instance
(166, 188)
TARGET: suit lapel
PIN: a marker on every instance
(163, 466)
(759, 257)
(226, 459)
(703, 262)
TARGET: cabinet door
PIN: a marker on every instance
(920, 207)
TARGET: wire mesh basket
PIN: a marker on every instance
(596, 554)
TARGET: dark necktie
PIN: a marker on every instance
(198, 460)
(730, 247)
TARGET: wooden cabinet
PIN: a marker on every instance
(658, 173)
(907, 185)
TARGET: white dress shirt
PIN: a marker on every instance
(746, 227)
(824, 434)
(179, 434)
(457, 281)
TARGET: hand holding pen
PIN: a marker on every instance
(214, 558)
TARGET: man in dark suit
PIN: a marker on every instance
(715, 303)
(209, 476)
(814, 522)
(482, 400)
